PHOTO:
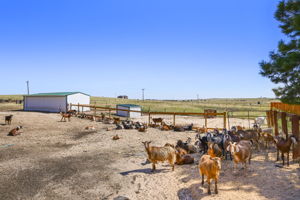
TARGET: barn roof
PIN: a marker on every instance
(55, 94)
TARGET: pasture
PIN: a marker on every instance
(61, 160)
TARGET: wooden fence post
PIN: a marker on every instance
(296, 133)
(228, 117)
(174, 119)
(224, 118)
(110, 113)
(268, 119)
(78, 108)
(275, 121)
(284, 124)
(295, 126)
(95, 110)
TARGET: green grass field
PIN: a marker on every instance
(237, 107)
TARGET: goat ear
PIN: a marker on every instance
(228, 148)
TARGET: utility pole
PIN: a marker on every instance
(27, 82)
(143, 90)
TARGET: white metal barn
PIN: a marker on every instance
(55, 102)
(129, 107)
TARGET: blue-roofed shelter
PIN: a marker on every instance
(127, 108)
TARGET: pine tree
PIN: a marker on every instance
(284, 65)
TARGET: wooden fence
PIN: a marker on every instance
(283, 111)
(79, 107)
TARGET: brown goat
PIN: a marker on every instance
(116, 137)
(15, 131)
(284, 146)
(214, 150)
(157, 120)
(241, 152)
(65, 116)
(72, 112)
(143, 128)
(210, 167)
(267, 138)
(160, 154)
(165, 127)
(8, 119)
(250, 134)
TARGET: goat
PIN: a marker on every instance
(165, 127)
(210, 167)
(65, 116)
(284, 146)
(241, 152)
(72, 112)
(250, 134)
(143, 128)
(116, 137)
(157, 120)
(89, 128)
(214, 150)
(108, 120)
(179, 128)
(186, 146)
(188, 128)
(15, 131)
(119, 127)
(8, 119)
(156, 154)
(116, 120)
(181, 155)
(267, 138)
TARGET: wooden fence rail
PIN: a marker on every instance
(149, 113)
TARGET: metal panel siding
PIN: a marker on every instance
(79, 98)
(121, 112)
(135, 114)
(47, 104)
(128, 114)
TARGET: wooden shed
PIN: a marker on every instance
(129, 107)
(54, 102)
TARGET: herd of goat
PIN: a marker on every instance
(235, 144)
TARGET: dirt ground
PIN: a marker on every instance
(60, 160)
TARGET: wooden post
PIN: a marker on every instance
(228, 116)
(110, 113)
(82, 109)
(295, 126)
(296, 133)
(224, 118)
(275, 123)
(174, 119)
(95, 110)
(268, 119)
(284, 124)
(78, 108)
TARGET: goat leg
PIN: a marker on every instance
(216, 186)
(288, 158)
(153, 167)
(208, 181)
(202, 183)
(277, 155)
(282, 157)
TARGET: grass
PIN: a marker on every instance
(237, 107)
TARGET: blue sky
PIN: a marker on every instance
(174, 49)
